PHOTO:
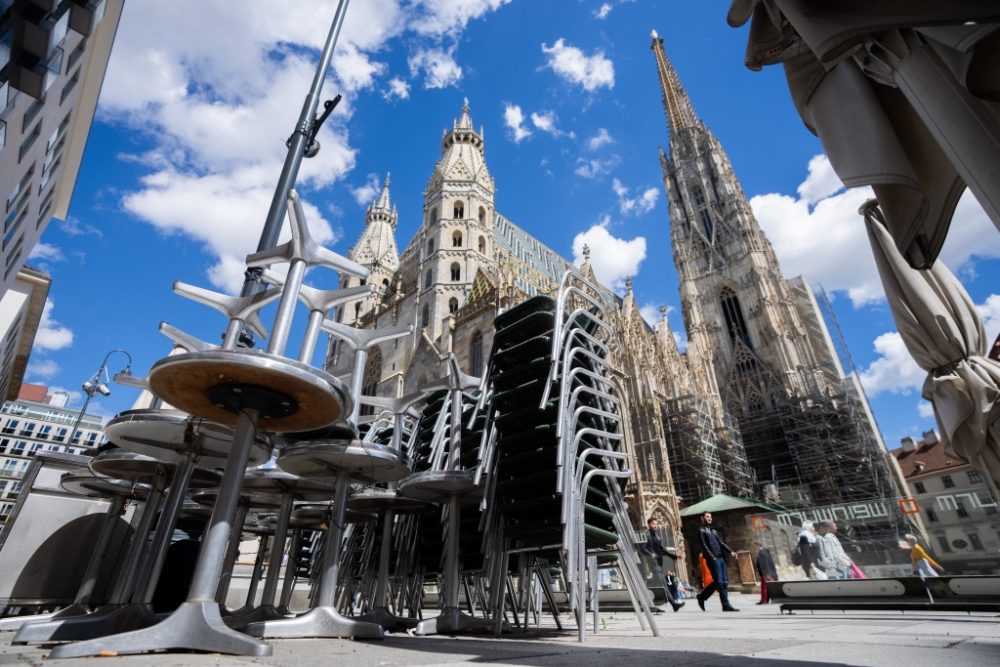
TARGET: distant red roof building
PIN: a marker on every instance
(924, 458)
(33, 392)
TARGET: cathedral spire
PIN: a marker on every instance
(676, 104)
(383, 199)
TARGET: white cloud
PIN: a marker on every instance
(573, 65)
(595, 167)
(546, 122)
(639, 205)
(651, 313)
(42, 369)
(822, 236)
(513, 118)
(365, 194)
(925, 409)
(398, 89)
(894, 370)
(441, 17)
(218, 105)
(602, 138)
(602, 12)
(51, 335)
(47, 252)
(821, 182)
(990, 312)
(613, 259)
(438, 66)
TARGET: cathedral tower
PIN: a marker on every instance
(743, 323)
(376, 251)
(456, 236)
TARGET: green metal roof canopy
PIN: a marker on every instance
(720, 502)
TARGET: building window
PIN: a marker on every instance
(29, 140)
(977, 544)
(70, 85)
(61, 433)
(425, 316)
(11, 426)
(943, 543)
(476, 354)
(28, 429)
(932, 516)
(947, 481)
(456, 240)
(459, 210)
(482, 245)
(430, 246)
(19, 447)
(31, 113)
(456, 272)
(428, 279)
(452, 305)
(975, 477)
(482, 215)
(962, 512)
(698, 195)
(986, 502)
(919, 486)
(733, 314)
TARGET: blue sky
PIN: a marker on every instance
(199, 98)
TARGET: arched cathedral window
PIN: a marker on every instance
(700, 205)
(425, 316)
(459, 211)
(430, 246)
(733, 313)
(456, 240)
(456, 272)
(452, 305)
(428, 279)
(476, 354)
(482, 215)
(482, 245)
(434, 215)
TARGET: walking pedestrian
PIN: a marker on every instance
(809, 551)
(923, 564)
(656, 551)
(768, 572)
(835, 561)
(715, 552)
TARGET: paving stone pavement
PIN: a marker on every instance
(758, 636)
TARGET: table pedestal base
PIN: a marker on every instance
(194, 626)
(324, 622)
(454, 620)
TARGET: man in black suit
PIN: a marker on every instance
(656, 551)
(715, 552)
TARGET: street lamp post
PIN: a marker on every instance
(97, 385)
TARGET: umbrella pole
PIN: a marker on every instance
(959, 122)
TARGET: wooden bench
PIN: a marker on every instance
(948, 593)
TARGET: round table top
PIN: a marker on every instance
(376, 501)
(300, 397)
(440, 485)
(89, 485)
(171, 435)
(256, 500)
(279, 481)
(127, 465)
(326, 459)
(320, 511)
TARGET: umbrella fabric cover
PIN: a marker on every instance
(871, 133)
(943, 333)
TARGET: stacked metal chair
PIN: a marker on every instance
(556, 458)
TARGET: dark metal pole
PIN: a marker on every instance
(297, 145)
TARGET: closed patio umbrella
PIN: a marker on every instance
(943, 333)
(903, 95)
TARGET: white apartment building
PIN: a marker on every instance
(961, 517)
(30, 426)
